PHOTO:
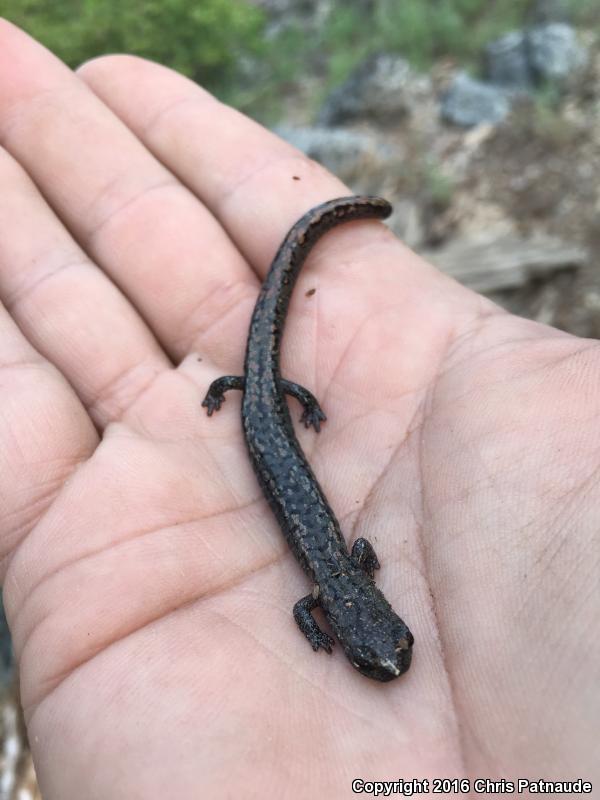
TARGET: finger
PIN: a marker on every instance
(247, 176)
(44, 434)
(254, 182)
(142, 226)
(67, 308)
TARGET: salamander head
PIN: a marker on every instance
(386, 654)
(374, 638)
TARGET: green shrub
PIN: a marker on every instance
(221, 43)
(203, 39)
(423, 31)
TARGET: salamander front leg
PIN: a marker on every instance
(216, 392)
(313, 413)
(308, 626)
(364, 555)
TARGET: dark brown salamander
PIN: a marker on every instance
(375, 639)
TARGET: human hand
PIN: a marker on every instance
(148, 588)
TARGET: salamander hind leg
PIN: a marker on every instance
(364, 556)
(313, 413)
(216, 392)
(308, 626)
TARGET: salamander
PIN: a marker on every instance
(376, 641)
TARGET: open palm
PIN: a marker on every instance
(147, 586)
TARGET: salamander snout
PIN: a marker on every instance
(386, 659)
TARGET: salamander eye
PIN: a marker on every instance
(405, 643)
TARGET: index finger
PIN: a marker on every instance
(257, 186)
(255, 183)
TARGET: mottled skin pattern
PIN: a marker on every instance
(373, 636)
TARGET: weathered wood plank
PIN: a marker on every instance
(505, 263)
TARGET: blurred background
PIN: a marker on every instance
(478, 119)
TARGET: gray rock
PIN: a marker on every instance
(554, 52)
(384, 88)
(345, 153)
(406, 222)
(544, 11)
(468, 102)
(507, 63)
(6, 654)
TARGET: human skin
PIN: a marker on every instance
(148, 589)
